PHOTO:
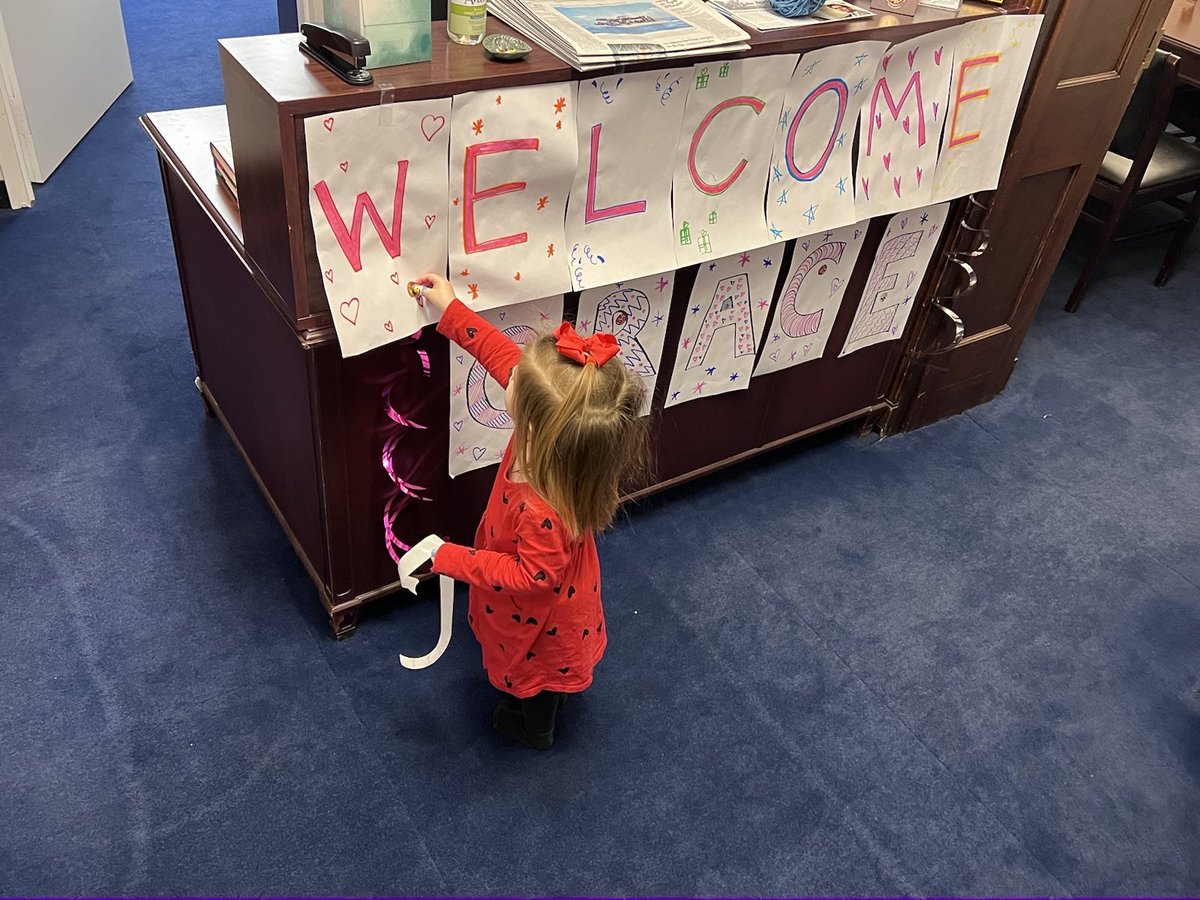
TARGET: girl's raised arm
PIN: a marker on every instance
(471, 331)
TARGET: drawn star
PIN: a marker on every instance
(517, 277)
(549, 250)
(695, 309)
(711, 266)
(809, 70)
(477, 125)
(908, 299)
(792, 358)
(841, 139)
(782, 201)
(734, 376)
(455, 201)
(560, 104)
(783, 120)
(777, 234)
(674, 394)
(924, 218)
(662, 283)
(745, 258)
(461, 450)
(497, 99)
(858, 86)
(543, 316)
(699, 387)
(775, 338)
(710, 370)
(658, 319)
(465, 272)
(762, 304)
(768, 262)
(558, 124)
(542, 201)
(474, 289)
(687, 342)
(811, 213)
(827, 235)
(776, 175)
(859, 58)
(458, 388)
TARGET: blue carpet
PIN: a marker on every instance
(962, 660)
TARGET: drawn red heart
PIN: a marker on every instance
(429, 220)
(887, 59)
(329, 275)
(431, 125)
(896, 185)
(907, 125)
(887, 161)
(920, 172)
(878, 120)
(937, 56)
(395, 278)
(387, 326)
(349, 310)
(912, 55)
(344, 165)
(328, 123)
(866, 184)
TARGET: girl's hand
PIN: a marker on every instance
(438, 290)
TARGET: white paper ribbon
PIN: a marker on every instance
(420, 554)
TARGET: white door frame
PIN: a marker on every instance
(15, 168)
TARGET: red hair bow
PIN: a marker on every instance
(598, 349)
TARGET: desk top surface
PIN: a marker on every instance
(1182, 28)
(182, 137)
(304, 86)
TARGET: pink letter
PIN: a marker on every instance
(471, 243)
(894, 108)
(590, 213)
(350, 239)
(960, 98)
(755, 104)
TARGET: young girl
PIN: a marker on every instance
(534, 576)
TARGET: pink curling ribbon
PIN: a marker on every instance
(404, 490)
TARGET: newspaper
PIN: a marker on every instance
(757, 14)
(590, 35)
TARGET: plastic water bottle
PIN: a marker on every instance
(466, 21)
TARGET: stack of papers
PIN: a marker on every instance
(757, 14)
(594, 34)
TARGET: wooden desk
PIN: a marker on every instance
(1181, 36)
(310, 424)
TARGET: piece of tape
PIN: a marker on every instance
(420, 554)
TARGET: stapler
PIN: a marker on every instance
(344, 53)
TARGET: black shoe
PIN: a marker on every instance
(511, 723)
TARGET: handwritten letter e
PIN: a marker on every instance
(471, 194)
(987, 59)
(881, 87)
(350, 239)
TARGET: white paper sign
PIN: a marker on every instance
(901, 124)
(377, 201)
(724, 324)
(811, 297)
(724, 154)
(811, 185)
(480, 424)
(512, 161)
(899, 268)
(635, 311)
(991, 60)
(619, 215)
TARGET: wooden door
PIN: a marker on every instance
(1086, 67)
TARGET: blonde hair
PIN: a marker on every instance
(578, 431)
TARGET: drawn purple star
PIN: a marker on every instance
(858, 59)
(792, 358)
(674, 394)
(710, 370)
(662, 283)
(745, 258)
(924, 218)
(775, 338)
(859, 85)
(711, 266)
(695, 309)
(658, 319)
(734, 376)
(768, 262)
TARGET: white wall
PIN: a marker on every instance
(65, 90)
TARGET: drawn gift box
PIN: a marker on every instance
(400, 31)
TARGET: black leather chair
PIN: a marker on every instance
(1145, 165)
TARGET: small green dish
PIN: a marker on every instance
(506, 48)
